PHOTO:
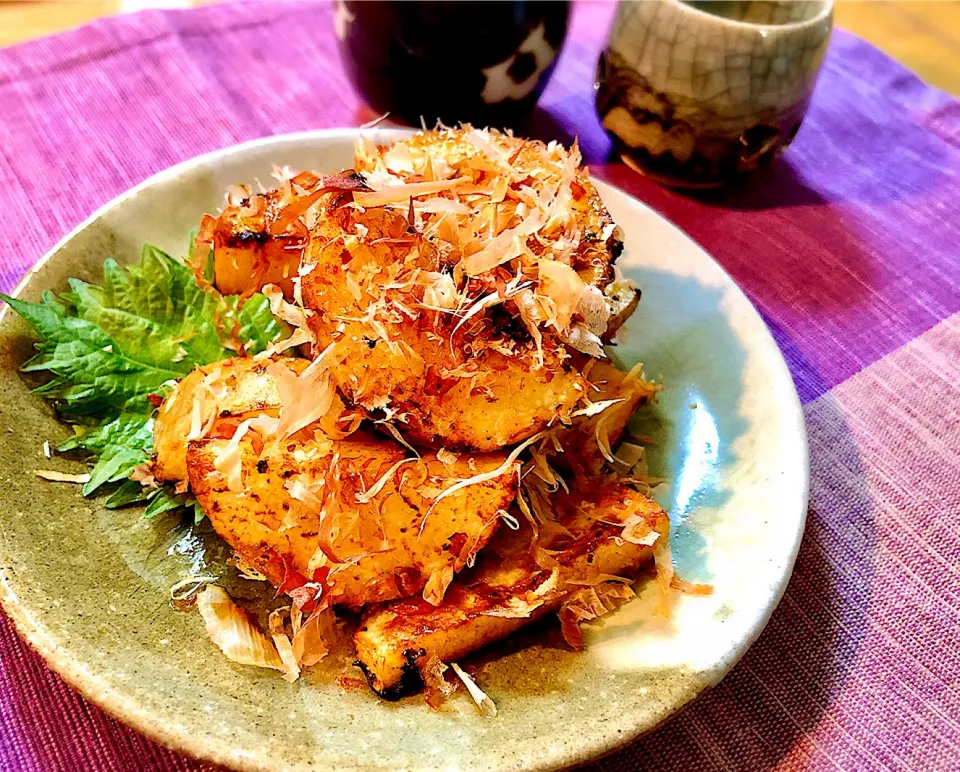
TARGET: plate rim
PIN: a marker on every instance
(126, 710)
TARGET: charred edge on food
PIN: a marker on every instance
(245, 238)
(616, 249)
(353, 176)
(242, 238)
(410, 680)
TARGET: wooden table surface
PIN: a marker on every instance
(923, 34)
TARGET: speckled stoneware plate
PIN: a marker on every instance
(88, 587)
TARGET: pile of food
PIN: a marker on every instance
(437, 444)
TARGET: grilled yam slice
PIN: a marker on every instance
(479, 388)
(581, 440)
(601, 241)
(492, 367)
(233, 388)
(247, 255)
(508, 589)
(622, 299)
(311, 510)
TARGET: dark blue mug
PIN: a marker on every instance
(484, 63)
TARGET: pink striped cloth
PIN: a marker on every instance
(849, 247)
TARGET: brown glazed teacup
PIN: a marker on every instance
(695, 94)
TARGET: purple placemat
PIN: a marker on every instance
(849, 247)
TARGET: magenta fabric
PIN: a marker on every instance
(848, 246)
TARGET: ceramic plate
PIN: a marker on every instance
(88, 587)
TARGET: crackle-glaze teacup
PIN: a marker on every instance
(697, 93)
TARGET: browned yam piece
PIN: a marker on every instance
(464, 380)
(602, 241)
(244, 386)
(247, 256)
(312, 507)
(623, 299)
(480, 400)
(499, 406)
(507, 590)
(580, 441)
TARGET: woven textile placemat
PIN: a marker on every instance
(849, 246)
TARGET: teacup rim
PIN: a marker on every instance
(825, 11)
